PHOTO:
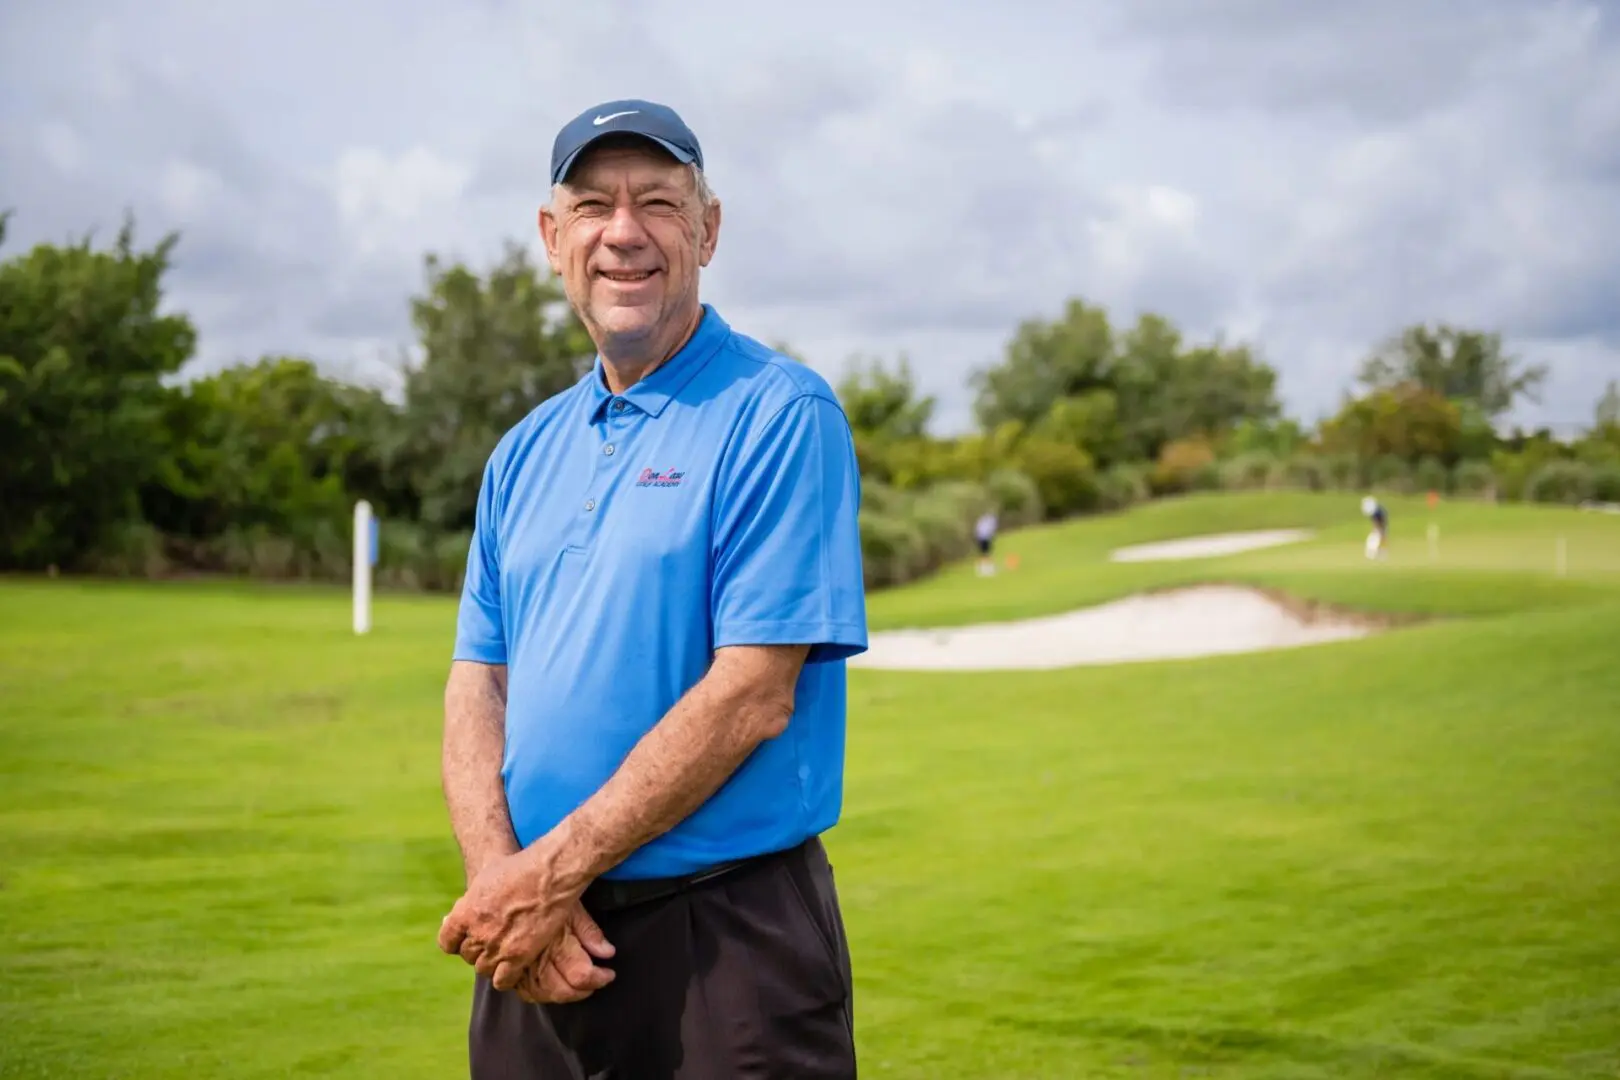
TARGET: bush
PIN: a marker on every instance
(969, 499)
(1248, 472)
(1121, 486)
(947, 533)
(1389, 473)
(1063, 474)
(1299, 473)
(1185, 465)
(1514, 470)
(882, 498)
(1342, 472)
(1606, 483)
(130, 549)
(257, 552)
(1430, 475)
(892, 548)
(1473, 480)
(1017, 499)
(1569, 482)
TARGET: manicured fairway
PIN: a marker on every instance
(223, 852)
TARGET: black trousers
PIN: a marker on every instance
(742, 975)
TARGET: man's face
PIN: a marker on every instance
(627, 234)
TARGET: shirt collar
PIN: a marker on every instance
(658, 389)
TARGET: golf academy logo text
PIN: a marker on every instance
(654, 478)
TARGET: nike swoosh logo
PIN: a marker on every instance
(600, 120)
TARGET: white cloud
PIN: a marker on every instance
(1312, 176)
(61, 146)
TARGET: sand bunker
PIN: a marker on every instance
(1206, 620)
(1203, 547)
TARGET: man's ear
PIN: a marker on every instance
(711, 233)
(548, 235)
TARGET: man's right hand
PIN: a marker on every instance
(566, 970)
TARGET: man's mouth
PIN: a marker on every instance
(627, 277)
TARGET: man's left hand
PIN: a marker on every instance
(512, 911)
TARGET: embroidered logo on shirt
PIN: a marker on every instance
(654, 478)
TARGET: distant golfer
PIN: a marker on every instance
(1380, 521)
(984, 531)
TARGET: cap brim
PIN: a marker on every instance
(680, 155)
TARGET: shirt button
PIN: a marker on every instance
(618, 405)
(590, 504)
(608, 449)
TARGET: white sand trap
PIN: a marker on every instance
(1206, 620)
(1203, 547)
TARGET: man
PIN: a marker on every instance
(644, 719)
(1380, 520)
(984, 532)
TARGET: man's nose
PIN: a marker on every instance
(624, 228)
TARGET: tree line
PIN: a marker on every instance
(113, 462)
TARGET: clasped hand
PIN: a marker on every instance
(512, 929)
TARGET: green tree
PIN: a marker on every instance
(1406, 421)
(1089, 421)
(1121, 396)
(83, 354)
(1607, 413)
(1456, 363)
(1044, 362)
(883, 403)
(1282, 437)
(493, 348)
(275, 444)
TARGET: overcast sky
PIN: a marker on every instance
(897, 175)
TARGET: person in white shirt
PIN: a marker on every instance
(984, 531)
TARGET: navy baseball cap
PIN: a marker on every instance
(660, 123)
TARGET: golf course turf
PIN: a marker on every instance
(223, 851)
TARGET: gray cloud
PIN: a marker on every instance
(1310, 176)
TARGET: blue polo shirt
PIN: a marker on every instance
(621, 539)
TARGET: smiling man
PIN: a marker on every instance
(645, 714)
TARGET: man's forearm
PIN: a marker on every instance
(474, 744)
(676, 766)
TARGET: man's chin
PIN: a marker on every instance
(627, 320)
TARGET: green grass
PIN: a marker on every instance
(223, 852)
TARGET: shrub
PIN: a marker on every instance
(892, 548)
(1570, 482)
(1248, 472)
(1606, 483)
(1299, 473)
(1121, 486)
(969, 499)
(130, 549)
(1473, 479)
(881, 498)
(255, 551)
(1063, 474)
(1389, 473)
(1185, 465)
(946, 531)
(1342, 472)
(1017, 499)
(449, 559)
(1430, 475)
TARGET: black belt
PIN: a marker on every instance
(614, 894)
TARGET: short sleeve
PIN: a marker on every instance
(787, 559)
(480, 628)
